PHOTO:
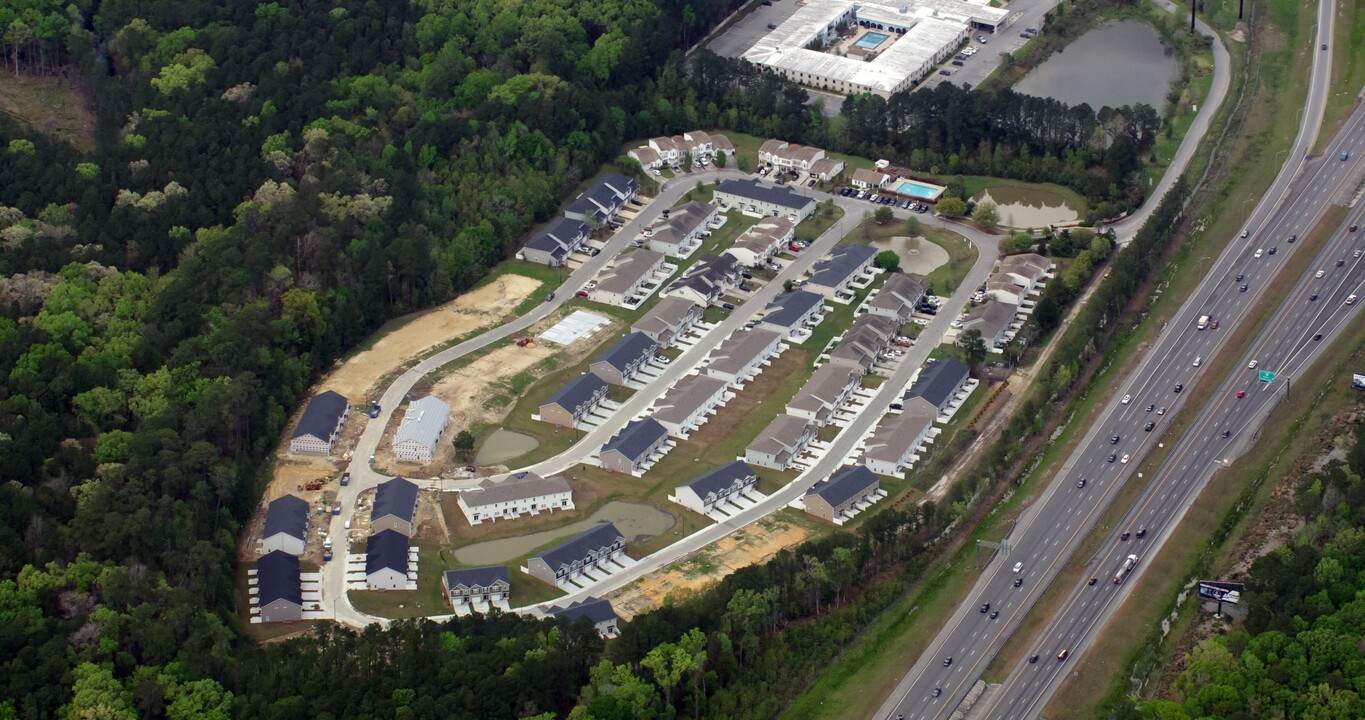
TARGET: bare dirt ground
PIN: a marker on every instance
(358, 376)
(51, 105)
(291, 472)
(750, 546)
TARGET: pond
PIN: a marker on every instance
(635, 521)
(1118, 63)
(504, 445)
(1022, 207)
(918, 256)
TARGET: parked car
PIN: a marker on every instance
(582, 293)
(728, 306)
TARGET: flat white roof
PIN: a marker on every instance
(933, 24)
(578, 325)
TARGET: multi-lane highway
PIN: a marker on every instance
(1052, 528)
(1307, 320)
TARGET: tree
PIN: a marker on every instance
(986, 214)
(698, 191)
(464, 444)
(973, 348)
(687, 161)
(913, 227)
(787, 285)
(952, 207)
(720, 158)
(888, 260)
(883, 215)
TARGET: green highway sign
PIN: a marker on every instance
(1266, 376)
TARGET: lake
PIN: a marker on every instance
(1118, 63)
(504, 445)
(1028, 207)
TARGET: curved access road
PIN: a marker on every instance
(337, 605)
(1125, 431)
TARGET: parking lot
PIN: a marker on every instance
(742, 35)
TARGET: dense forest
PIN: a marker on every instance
(1301, 651)
(271, 181)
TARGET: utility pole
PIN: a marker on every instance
(1192, 2)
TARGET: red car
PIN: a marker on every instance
(1213, 325)
(582, 293)
(1241, 393)
(794, 247)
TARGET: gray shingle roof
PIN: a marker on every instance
(939, 381)
(841, 265)
(289, 515)
(277, 578)
(577, 391)
(785, 310)
(627, 350)
(520, 486)
(845, 483)
(719, 478)
(386, 549)
(636, 438)
(578, 547)
(321, 416)
(423, 421)
(558, 235)
(476, 577)
(753, 190)
(396, 497)
(594, 609)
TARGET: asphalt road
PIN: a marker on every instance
(1051, 529)
(335, 601)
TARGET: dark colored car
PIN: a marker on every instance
(1092, 582)
(1033, 658)
(1080, 483)
(1313, 297)
(728, 306)
(995, 614)
(985, 607)
(1243, 288)
(1292, 238)
(1142, 532)
(1179, 387)
(1018, 582)
(1124, 536)
(582, 293)
(1240, 276)
(1148, 427)
(1272, 251)
(1151, 408)
(1114, 440)
(1113, 457)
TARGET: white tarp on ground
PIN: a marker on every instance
(578, 325)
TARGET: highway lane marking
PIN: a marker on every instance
(1265, 338)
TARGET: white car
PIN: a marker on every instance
(1258, 252)
(1125, 459)
(1351, 300)
(661, 359)
(955, 323)
(1246, 233)
(1127, 399)
(1320, 273)
(1018, 567)
(1198, 360)
(1251, 365)
(656, 172)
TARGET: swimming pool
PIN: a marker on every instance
(923, 191)
(871, 40)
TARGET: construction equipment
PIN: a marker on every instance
(374, 408)
(336, 508)
(313, 485)
(346, 478)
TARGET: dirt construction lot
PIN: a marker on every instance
(750, 546)
(483, 307)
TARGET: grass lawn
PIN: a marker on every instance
(814, 226)
(706, 194)
(1348, 67)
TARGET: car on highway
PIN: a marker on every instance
(1151, 408)
(1018, 566)
(1319, 274)
(1033, 658)
(1062, 656)
(1178, 387)
(1092, 582)
(549, 297)
(1161, 410)
(1198, 360)
(1213, 325)
(1240, 276)
(1246, 234)
(1124, 537)
(947, 662)
(1142, 532)
(1241, 394)
(1345, 155)
(1124, 459)
(1292, 238)
(1080, 483)
(1148, 427)
(1226, 434)
(1127, 399)
(1354, 228)
(1018, 582)
(1351, 300)
(1243, 288)
(985, 608)
(1114, 440)
(995, 614)
(1340, 263)
(1313, 297)
(1251, 365)
(1272, 251)
(1258, 252)
(1113, 457)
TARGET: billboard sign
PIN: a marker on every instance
(1228, 592)
(1358, 381)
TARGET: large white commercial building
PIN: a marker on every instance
(886, 45)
